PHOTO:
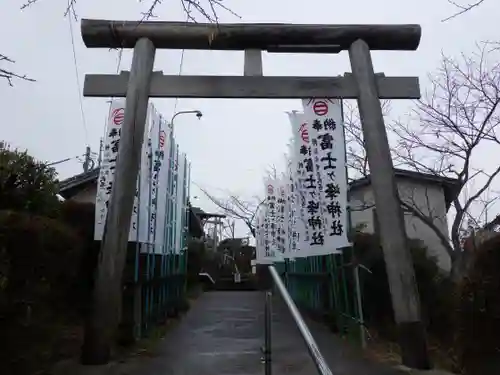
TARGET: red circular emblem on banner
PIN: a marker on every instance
(118, 115)
(304, 134)
(320, 108)
(162, 139)
(270, 189)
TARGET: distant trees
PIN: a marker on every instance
(446, 135)
(26, 184)
(451, 127)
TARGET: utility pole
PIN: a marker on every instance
(88, 160)
(399, 264)
(104, 318)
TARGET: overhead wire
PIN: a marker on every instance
(181, 63)
(120, 54)
(75, 62)
(118, 66)
(180, 72)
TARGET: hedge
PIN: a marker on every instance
(478, 312)
(435, 288)
(80, 217)
(38, 272)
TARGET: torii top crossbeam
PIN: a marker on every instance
(242, 36)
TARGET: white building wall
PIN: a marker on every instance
(428, 198)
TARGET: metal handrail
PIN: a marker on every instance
(311, 345)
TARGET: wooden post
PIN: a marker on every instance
(104, 318)
(399, 264)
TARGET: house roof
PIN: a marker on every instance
(68, 188)
(72, 185)
(450, 185)
(205, 215)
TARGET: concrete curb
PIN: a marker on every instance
(72, 367)
(411, 371)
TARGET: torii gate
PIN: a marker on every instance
(142, 83)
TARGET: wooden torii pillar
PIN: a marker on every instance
(141, 84)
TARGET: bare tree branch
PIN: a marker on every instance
(360, 206)
(458, 117)
(10, 75)
(461, 9)
(237, 208)
(228, 227)
(206, 9)
(28, 4)
(357, 160)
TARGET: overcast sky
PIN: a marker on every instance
(236, 139)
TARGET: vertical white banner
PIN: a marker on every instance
(179, 228)
(168, 240)
(264, 254)
(173, 214)
(188, 200)
(327, 138)
(281, 215)
(260, 251)
(287, 212)
(271, 221)
(143, 194)
(154, 169)
(162, 158)
(290, 214)
(158, 182)
(303, 167)
(292, 208)
(185, 207)
(111, 145)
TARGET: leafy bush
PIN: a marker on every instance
(80, 217)
(26, 184)
(39, 251)
(478, 313)
(435, 289)
(39, 258)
